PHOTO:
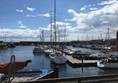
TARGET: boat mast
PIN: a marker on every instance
(55, 34)
(65, 34)
(107, 37)
(117, 41)
(58, 35)
(51, 27)
(42, 35)
(107, 34)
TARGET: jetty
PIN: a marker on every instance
(80, 63)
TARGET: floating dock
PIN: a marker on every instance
(79, 63)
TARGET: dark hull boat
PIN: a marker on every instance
(13, 66)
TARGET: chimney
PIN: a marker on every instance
(117, 41)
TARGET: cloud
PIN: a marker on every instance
(71, 11)
(44, 15)
(107, 2)
(26, 34)
(93, 9)
(21, 11)
(30, 16)
(83, 8)
(30, 9)
(105, 22)
(21, 24)
(20, 34)
(93, 21)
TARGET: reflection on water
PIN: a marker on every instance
(108, 71)
(42, 61)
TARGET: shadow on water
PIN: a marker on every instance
(108, 71)
(62, 69)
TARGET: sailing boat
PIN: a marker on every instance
(11, 44)
(111, 62)
(49, 49)
(106, 48)
(40, 48)
(56, 57)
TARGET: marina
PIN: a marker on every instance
(61, 60)
(59, 41)
(42, 61)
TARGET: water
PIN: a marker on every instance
(42, 61)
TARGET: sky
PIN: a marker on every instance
(23, 20)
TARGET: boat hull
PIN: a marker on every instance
(106, 65)
(60, 59)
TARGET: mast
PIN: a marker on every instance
(55, 34)
(107, 34)
(65, 34)
(42, 35)
(107, 37)
(51, 26)
(58, 35)
(117, 41)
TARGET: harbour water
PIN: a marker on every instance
(42, 61)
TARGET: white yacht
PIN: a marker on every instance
(108, 63)
(38, 49)
(57, 58)
(100, 55)
(48, 51)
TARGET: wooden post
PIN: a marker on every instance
(82, 59)
(56, 72)
(79, 81)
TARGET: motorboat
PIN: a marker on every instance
(11, 45)
(38, 49)
(57, 58)
(13, 66)
(48, 51)
(11, 72)
(106, 49)
(99, 55)
(108, 63)
(28, 76)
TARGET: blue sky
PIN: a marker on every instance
(25, 18)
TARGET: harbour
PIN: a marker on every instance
(42, 61)
(56, 61)
(59, 41)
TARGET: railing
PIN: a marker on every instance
(90, 79)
